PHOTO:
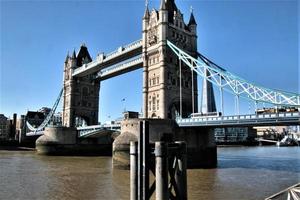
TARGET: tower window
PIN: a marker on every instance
(154, 101)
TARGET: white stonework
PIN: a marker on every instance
(161, 67)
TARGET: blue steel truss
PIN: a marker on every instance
(48, 118)
(234, 84)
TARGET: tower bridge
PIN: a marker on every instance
(168, 54)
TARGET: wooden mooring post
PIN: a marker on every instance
(164, 159)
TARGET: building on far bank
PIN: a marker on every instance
(4, 127)
(235, 135)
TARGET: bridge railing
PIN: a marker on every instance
(291, 193)
(123, 49)
(240, 117)
(89, 130)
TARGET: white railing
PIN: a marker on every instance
(90, 130)
(291, 193)
(240, 118)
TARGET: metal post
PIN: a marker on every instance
(180, 174)
(140, 162)
(255, 107)
(146, 156)
(222, 100)
(133, 171)
(161, 171)
(180, 88)
(193, 95)
(238, 104)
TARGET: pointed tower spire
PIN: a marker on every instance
(163, 5)
(74, 55)
(147, 13)
(192, 18)
(67, 57)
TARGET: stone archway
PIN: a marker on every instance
(81, 121)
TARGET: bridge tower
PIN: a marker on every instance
(81, 94)
(161, 67)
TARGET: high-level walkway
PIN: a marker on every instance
(104, 61)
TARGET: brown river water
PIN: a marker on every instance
(243, 173)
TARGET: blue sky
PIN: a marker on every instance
(257, 40)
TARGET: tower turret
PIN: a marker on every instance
(192, 23)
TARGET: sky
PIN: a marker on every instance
(257, 40)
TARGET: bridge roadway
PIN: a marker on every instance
(274, 119)
(103, 61)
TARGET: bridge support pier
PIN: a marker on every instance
(201, 146)
(64, 141)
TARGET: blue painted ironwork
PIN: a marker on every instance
(233, 83)
(48, 118)
(92, 130)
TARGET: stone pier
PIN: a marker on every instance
(64, 141)
(201, 147)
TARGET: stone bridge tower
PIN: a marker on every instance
(81, 94)
(161, 74)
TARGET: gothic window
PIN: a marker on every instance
(84, 103)
(157, 104)
(157, 79)
(173, 33)
(152, 38)
(154, 81)
(150, 105)
(153, 102)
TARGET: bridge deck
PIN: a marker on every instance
(120, 69)
(243, 120)
(104, 61)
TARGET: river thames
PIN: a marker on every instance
(243, 173)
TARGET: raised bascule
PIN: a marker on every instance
(168, 55)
